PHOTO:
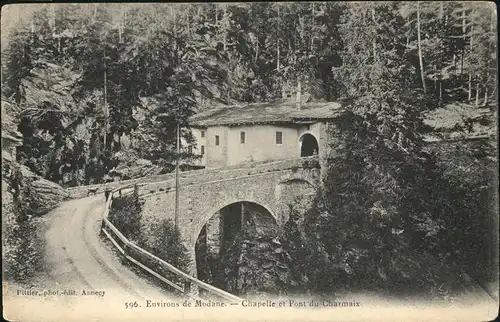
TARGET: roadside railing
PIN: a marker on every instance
(154, 265)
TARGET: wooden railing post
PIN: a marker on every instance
(125, 249)
(103, 226)
(125, 253)
(187, 287)
(107, 192)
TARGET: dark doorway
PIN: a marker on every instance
(309, 145)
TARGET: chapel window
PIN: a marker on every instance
(279, 138)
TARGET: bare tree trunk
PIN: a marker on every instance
(288, 54)
(493, 19)
(278, 42)
(122, 23)
(440, 90)
(492, 27)
(173, 15)
(408, 35)
(464, 29)
(374, 44)
(198, 12)
(470, 72)
(177, 180)
(442, 20)
(53, 17)
(216, 14)
(420, 58)
(277, 54)
(477, 93)
(224, 36)
(298, 98)
(188, 22)
(302, 28)
(105, 100)
(174, 26)
(435, 78)
(470, 85)
(312, 27)
(256, 48)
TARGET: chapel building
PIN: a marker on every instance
(232, 135)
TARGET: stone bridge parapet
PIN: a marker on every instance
(164, 181)
(206, 176)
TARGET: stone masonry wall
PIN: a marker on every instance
(213, 227)
(199, 201)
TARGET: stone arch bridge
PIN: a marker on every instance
(203, 193)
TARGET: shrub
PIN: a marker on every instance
(125, 214)
(22, 248)
(158, 237)
(397, 224)
(162, 239)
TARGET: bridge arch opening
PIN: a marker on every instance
(217, 238)
(308, 145)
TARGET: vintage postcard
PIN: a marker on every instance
(250, 161)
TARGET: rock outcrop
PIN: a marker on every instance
(43, 194)
(48, 194)
(131, 166)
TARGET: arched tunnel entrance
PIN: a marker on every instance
(219, 242)
(308, 145)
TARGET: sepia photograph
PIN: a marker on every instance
(250, 161)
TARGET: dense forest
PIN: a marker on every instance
(99, 87)
(84, 76)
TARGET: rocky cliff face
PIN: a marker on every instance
(19, 182)
(21, 185)
(47, 195)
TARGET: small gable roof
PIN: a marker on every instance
(284, 111)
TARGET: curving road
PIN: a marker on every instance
(83, 278)
(76, 258)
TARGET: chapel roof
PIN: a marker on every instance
(282, 111)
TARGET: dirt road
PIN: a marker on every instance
(77, 258)
(81, 273)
